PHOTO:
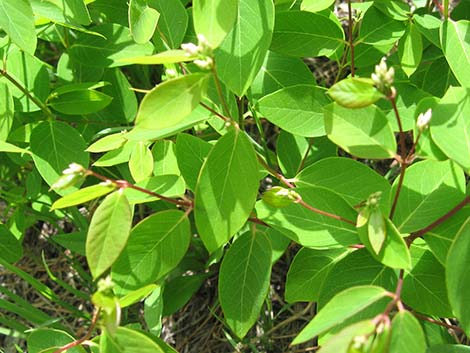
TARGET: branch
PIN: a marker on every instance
(219, 90)
(350, 37)
(437, 322)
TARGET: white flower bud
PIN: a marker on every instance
(424, 119)
(204, 64)
(73, 168)
(191, 49)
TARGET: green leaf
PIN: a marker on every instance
(334, 174)
(291, 150)
(6, 111)
(457, 276)
(377, 230)
(448, 348)
(17, 20)
(300, 33)
(279, 71)
(156, 245)
(341, 342)
(178, 291)
(315, 5)
(170, 102)
(450, 129)
(126, 340)
(226, 189)
(10, 247)
(429, 27)
(10, 148)
(55, 145)
(166, 57)
(312, 229)
(410, 49)
(108, 233)
(172, 24)
(241, 54)
(407, 334)
(47, 339)
(244, 281)
(71, 12)
(83, 195)
(153, 311)
(107, 143)
(377, 29)
(142, 20)
(456, 47)
(308, 272)
(424, 287)
(296, 109)
(214, 19)
(164, 157)
(80, 102)
(444, 185)
(364, 133)
(191, 153)
(341, 307)
(117, 44)
(394, 9)
(355, 93)
(141, 162)
(137, 295)
(394, 252)
(116, 156)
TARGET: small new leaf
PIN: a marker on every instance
(355, 93)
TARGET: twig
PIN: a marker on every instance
(350, 35)
(324, 213)
(216, 113)
(437, 322)
(218, 86)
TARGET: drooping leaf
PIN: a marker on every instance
(355, 93)
(79, 102)
(291, 150)
(308, 271)
(377, 230)
(47, 339)
(342, 341)
(410, 49)
(10, 148)
(170, 102)
(10, 247)
(244, 281)
(226, 189)
(107, 143)
(334, 174)
(311, 229)
(242, 52)
(341, 307)
(444, 185)
(126, 340)
(457, 276)
(377, 29)
(83, 195)
(300, 33)
(17, 20)
(164, 158)
(456, 47)
(178, 291)
(6, 111)
(296, 109)
(214, 19)
(142, 20)
(141, 162)
(108, 233)
(407, 334)
(137, 295)
(55, 145)
(365, 133)
(172, 24)
(156, 245)
(449, 128)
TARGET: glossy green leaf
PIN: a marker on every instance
(244, 281)
(296, 109)
(170, 102)
(142, 20)
(377, 230)
(410, 49)
(141, 162)
(214, 19)
(117, 44)
(341, 342)
(341, 307)
(116, 156)
(291, 150)
(190, 153)
(107, 143)
(17, 20)
(166, 57)
(364, 133)
(241, 54)
(358, 268)
(448, 348)
(10, 247)
(407, 334)
(424, 287)
(10, 148)
(153, 311)
(164, 157)
(355, 93)
(393, 9)
(311, 229)
(301, 33)
(172, 24)
(315, 5)
(449, 128)
(71, 13)
(457, 276)
(334, 174)
(308, 272)
(108, 233)
(178, 291)
(126, 340)
(6, 111)
(226, 189)
(394, 252)
(83, 195)
(444, 185)
(429, 26)
(156, 245)
(48, 340)
(136, 296)
(79, 102)
(55, 145)
(456, 47)
(166, 185)
(279, 71)
(378, 29)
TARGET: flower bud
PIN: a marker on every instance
(280, 197)
(383, 78)
(423, 120)
(205, 64)
(191, 49)
(74, 174)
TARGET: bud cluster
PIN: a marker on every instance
(74, 174)
(383, 78)
(202, 52)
